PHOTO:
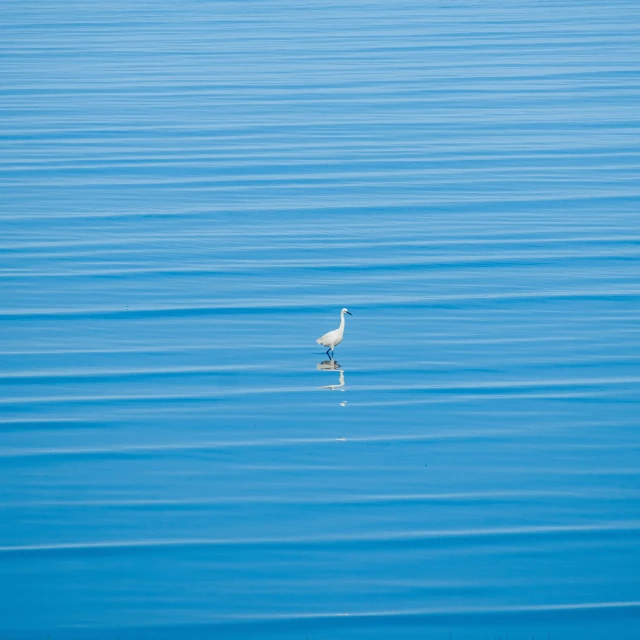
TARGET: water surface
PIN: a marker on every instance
(191, 192)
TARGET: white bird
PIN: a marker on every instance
(333, 338)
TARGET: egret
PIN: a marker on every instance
(334, 337)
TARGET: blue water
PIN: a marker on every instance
(190, 192)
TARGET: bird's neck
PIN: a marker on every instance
(342, 320)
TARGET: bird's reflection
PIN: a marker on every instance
(332, 365)
(328, 365)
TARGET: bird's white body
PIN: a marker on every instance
(334, 338)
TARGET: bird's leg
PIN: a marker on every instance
(327, 351)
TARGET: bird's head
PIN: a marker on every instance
(345, 310)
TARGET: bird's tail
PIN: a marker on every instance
(318, 341)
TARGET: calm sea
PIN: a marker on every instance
(189, 194)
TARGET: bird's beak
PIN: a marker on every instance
(350, 313)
